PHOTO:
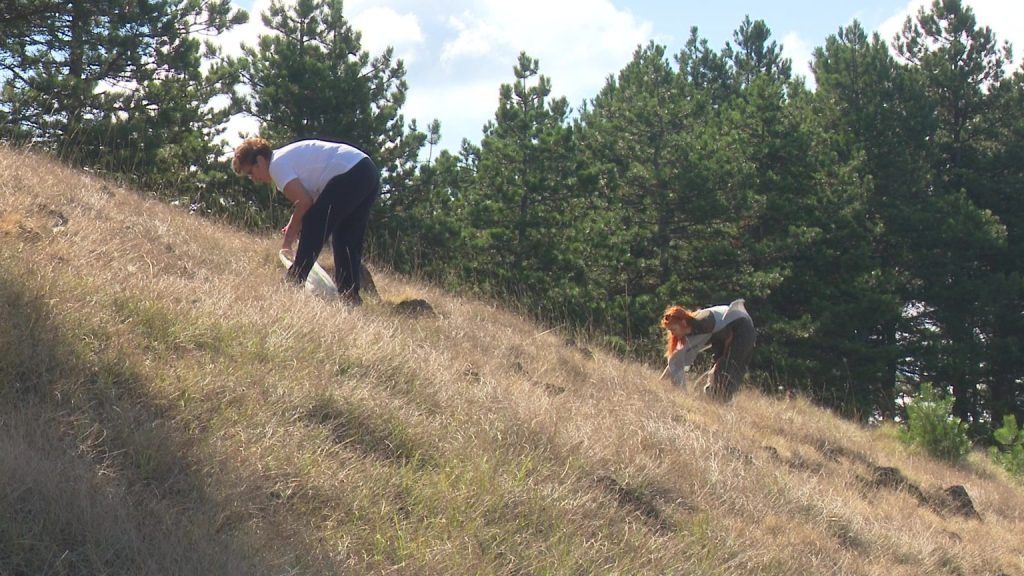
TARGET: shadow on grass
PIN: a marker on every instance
(373, 435)
(98, 477)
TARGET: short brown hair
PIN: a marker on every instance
(248, 151)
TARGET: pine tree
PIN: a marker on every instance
(958, 62)
(519, 214)
(639, 137)
(1005, 168)
(312, 79)
(756, 55)
(116, 84)
(877, 127)
(781, 222)
(423, 228)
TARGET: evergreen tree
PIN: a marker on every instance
(652, 192)
(708, 71)
(789, 252)
(705, 177)
(117, 84)
(1005, 168)
(519, 214)
(755, 54)
(423, 235)
(877, 123)
(958, 62)
(312, 79)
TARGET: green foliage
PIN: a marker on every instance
(1010, 452)
(119, 86)
(874, 226)
(519, 217)
(959, 240)
(312, 79)
(930, 426)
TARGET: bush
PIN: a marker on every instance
(1010, 453)
(930, 426)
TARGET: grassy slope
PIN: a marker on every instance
(168, 406)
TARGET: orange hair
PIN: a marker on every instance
(674, 313)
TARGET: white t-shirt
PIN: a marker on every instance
(313, 162)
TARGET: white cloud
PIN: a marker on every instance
(235, 128)
(462, 108)
(459, 52)
(577, 57)
(1006, 19)
(894, 24)
(248, 33)
(801, 53)
(382, 27)
(475, 38)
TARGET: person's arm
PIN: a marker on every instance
(675, 371)
(302, 201)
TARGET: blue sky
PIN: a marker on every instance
(459, 52)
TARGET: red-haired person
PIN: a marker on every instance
(332, 187)
(727, 330)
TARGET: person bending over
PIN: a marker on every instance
(727, 330)
(332, 187)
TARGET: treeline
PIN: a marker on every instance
(873, 224)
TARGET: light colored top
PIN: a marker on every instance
(313, 162)
(697, 343)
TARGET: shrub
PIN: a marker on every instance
(930, 426)
(1010, 452)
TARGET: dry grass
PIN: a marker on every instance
(169, 406)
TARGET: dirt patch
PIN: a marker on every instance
(951, 501)
(414, 307)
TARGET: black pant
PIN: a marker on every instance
(342, 211)
(731, 358)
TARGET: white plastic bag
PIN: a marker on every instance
(318, 281)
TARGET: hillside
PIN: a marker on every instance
(169, 406)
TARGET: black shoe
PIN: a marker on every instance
(291, 276)
(350, 298)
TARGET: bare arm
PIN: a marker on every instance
(296, 193)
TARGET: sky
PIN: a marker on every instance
(458, 53)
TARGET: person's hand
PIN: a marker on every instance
(284, 230)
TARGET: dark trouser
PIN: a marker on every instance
(343, 212)
(731, 363)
